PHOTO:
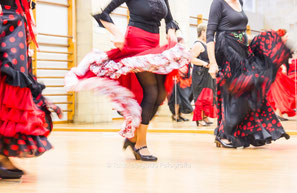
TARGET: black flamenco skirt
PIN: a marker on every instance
(246, 72)
(181, 96)
(25, 121)
(204, 92)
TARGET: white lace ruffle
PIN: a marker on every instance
(106, 70)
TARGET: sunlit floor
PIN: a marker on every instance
(93, 162)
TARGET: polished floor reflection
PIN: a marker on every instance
(94, 162)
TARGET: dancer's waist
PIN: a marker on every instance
(238, 35)
(146, 27)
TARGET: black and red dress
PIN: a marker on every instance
(113, 72)
(204, 89)
(245, 74)
(23, 125)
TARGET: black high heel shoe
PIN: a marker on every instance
(128, 143)
(183, 119)
(176, 119)
(138, 155)
(10, 173)
(220, 143)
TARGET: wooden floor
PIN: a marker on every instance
(161, 124)
(93, 162)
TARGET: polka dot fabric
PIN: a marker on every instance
(24, 145)
(24, 124)
(244, 116)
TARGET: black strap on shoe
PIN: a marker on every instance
(137, 150)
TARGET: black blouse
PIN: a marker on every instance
(144, 14)
(222, 17)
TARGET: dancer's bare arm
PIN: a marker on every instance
(213, 66)
(119, 38)
(195, 52)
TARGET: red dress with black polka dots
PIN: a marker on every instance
(23, 125)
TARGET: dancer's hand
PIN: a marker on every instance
(213, 70)
(119, 41)
(171, 35)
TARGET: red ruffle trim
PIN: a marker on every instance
(18, 112)
(282, 94)
(205, 104)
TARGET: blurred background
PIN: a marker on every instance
(67, 32)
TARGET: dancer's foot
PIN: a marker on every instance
(142, 153)
(128, 143)
(183, 119)
(282, 118)
(220, 143)
(201, 123)
(206, 120)
(176, 119)
(8, 170)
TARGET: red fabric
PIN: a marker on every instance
(282, 94)
(18, 112)
(26, 12)
(293, 71)
(205, 104)
(138, 42)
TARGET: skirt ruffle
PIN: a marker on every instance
(98, 72)
(205, 103)
(18, 113)
(23, 146)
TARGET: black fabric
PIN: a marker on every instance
(201, 78)
(222, 17)
(144, 14)
(154, 94)
(182, 97)
(244, 116)
(13, 49)
(8, 2)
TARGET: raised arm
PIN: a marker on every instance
(215, 15)
(171, 25)
(104, 20)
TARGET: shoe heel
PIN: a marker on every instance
(125, 146)
(137, 157)
(218, 144)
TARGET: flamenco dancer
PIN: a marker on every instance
(281, 95)
(244, 77)
(140, 62)
(181, 96)
(24, 125)
(204, 86)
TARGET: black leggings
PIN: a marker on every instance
(154, 94)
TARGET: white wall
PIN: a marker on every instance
(50, 23)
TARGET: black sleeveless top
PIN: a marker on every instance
(203, 56)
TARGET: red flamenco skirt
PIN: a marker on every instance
(205, 104)
(23, 131)
(281, 95)
(293, 71)
(112, 73)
